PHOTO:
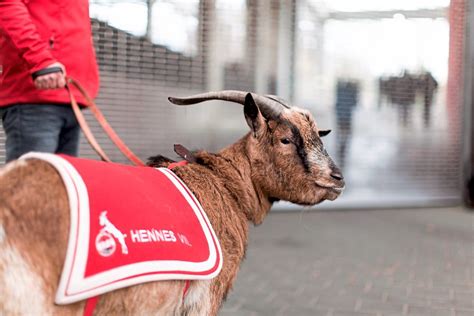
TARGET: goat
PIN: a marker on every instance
(281, 158)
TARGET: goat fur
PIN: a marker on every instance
(234, 186)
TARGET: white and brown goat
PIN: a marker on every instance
(281, 158)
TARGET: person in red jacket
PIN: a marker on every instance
(40, 42)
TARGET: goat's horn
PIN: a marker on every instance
(270, 106)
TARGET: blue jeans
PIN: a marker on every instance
(49, 128)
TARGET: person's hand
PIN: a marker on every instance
(53, 80)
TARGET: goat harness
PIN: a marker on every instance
(130, 225)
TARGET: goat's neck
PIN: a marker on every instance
(254, 201)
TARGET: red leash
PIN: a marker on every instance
(92, 302)
(103, 123)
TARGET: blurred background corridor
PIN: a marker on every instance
(385, 76)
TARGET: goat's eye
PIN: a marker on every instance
(285, 141)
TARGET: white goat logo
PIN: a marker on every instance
(108, 227)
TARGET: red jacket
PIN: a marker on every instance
(37, 33)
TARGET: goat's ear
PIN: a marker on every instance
(252, 114)
(323, 133)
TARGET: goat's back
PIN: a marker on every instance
(34, 228)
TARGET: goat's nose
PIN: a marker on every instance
(337, 175)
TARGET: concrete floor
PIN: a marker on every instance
(372, 262)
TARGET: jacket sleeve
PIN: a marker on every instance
(16, 23)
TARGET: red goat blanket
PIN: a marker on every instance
(130, 225)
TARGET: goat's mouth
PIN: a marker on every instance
(332, 192)
(332, 188)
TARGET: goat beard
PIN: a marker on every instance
(312, 197)
(331, 195)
